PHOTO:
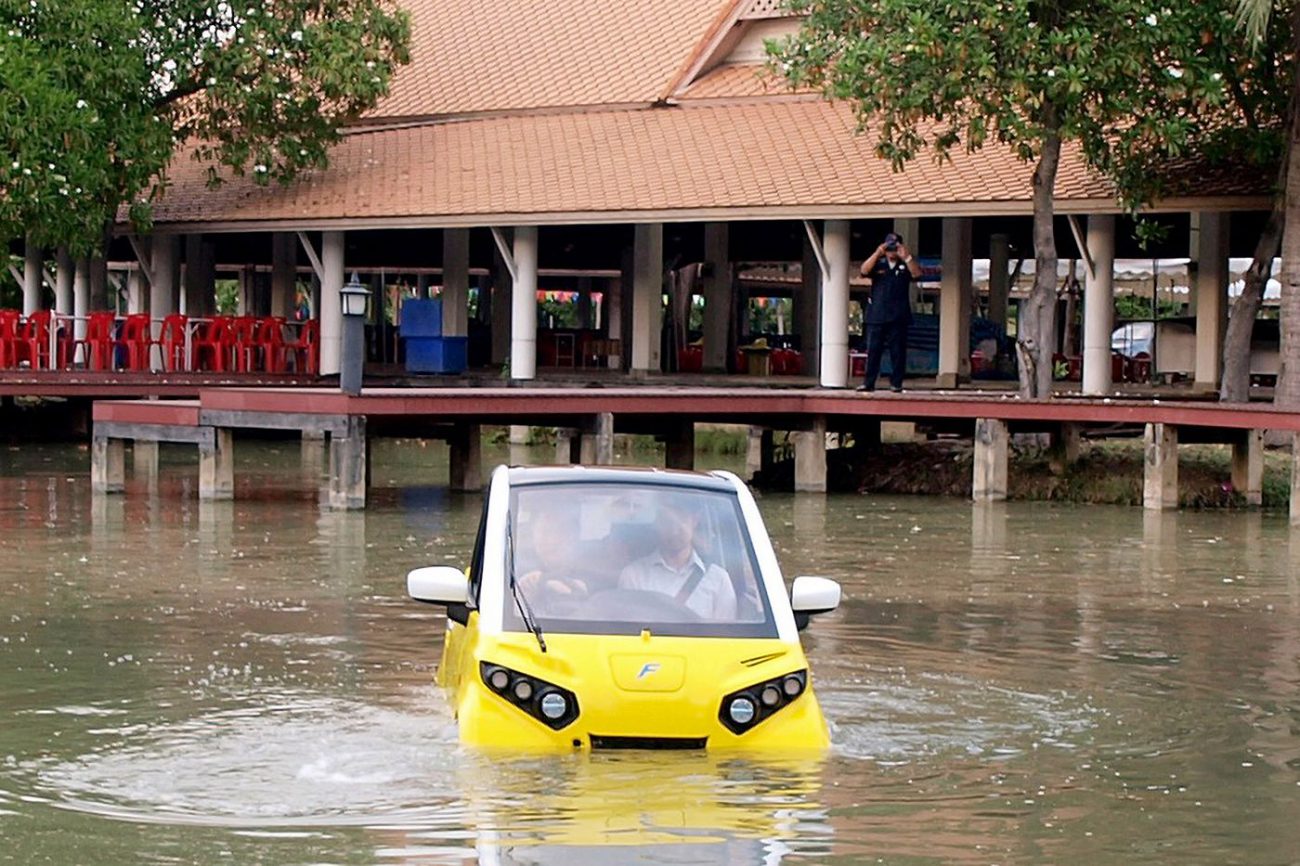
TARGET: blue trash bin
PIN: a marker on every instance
(427, 350)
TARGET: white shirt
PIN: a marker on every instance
(713, 598)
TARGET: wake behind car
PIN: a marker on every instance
(625, 608)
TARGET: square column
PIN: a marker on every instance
(33, 262)
(200, 276)
(523, 306)
(164, 268)
(81, 300)
(284, 273)
(1248, 466)
(1210, 283)
(348, 453)
(455, 282)
(217, 466)
(466, 458)
(807, 309)
(835, 305)
(910, 229)
(647, 296)
(107, 465)
(330, 310)
(1160, 467)
(597, 448)
(954, 303)
(810, 458)
(1099, 304)
(65, 269)
(718, 299)
(992, 441)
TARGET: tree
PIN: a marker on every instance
(1111, 77)
(97, 97)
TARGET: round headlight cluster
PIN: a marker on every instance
(742, 710)
(553, 706)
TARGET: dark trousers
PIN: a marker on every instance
(891, 335)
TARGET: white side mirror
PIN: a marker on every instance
(812, 595)
(438, 584)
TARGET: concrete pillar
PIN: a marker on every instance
(1099, 304)
(612, 310)
(455, 282)
(808, 310)
(568, 443)
(835, 305)
(954, 303)
(717, 297)
(1160, 467)
(348, 459)
(107, 465)
(81, 299)
(135, 291)
(810, 458)
(65, 270)
(200, 276)
(163, 269)
(499, 307)
(910, 229)
(144, 459)
(217, 466)
(1210, 289)
(466, 458)
(523, 306)
(598, 441)
(989, 482)
(312, 454)
(330, 310)
(33, 262)
(999, 278)
(284, 273)
(679, 447)
(1248, 466)
(647, 296)
(754, 451)
(1295, 480)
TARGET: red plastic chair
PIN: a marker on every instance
(213, 345)
(136, 337)
(97, 345)
(273, 350)
(244, 343)
(33, 344)
(172, 342)
(306, 349)
(9, 320)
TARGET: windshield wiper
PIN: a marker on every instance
(525, 609)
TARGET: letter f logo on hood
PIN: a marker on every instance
(647, 669)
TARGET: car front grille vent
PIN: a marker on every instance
(655, 743)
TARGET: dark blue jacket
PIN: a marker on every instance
(891, 299)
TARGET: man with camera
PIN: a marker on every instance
(891, 269)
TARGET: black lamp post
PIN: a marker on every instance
(354, 298)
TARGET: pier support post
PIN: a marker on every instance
(1248, 466)
(810, 458)
(754, 451)
(217, 466)
(568, 443)
(1295, 479)
(598, 441)
(1160, 467)
(466, 458)
(144, 459)
(348, 465)
(679, 447)
(107, 465)
(992, 440)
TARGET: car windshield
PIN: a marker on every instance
(620, 558)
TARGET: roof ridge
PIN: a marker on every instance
(706, 48)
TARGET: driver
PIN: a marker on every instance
(675, 569)
(554, 573)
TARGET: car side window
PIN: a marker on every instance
(476, 560)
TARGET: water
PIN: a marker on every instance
(245, 682)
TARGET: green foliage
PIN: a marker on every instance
(1139, 307)
(227, 297)
(97, 96)
(1133, 83)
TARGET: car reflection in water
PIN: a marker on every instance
(649, 807)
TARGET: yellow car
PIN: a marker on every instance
(625, 608)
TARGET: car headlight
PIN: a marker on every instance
(548, 703)
(742, 710)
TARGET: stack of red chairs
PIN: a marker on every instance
(786, 362)
(172, 342)
(306, 349)
(33, 345)
(136, 338)
(213, 345)
(243, 343)
(97, 345)
(271, 346)
(9, 339)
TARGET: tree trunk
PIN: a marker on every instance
(1235, 387)
(1287, 393)
(1036, 338)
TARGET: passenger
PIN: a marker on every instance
(676, 569)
